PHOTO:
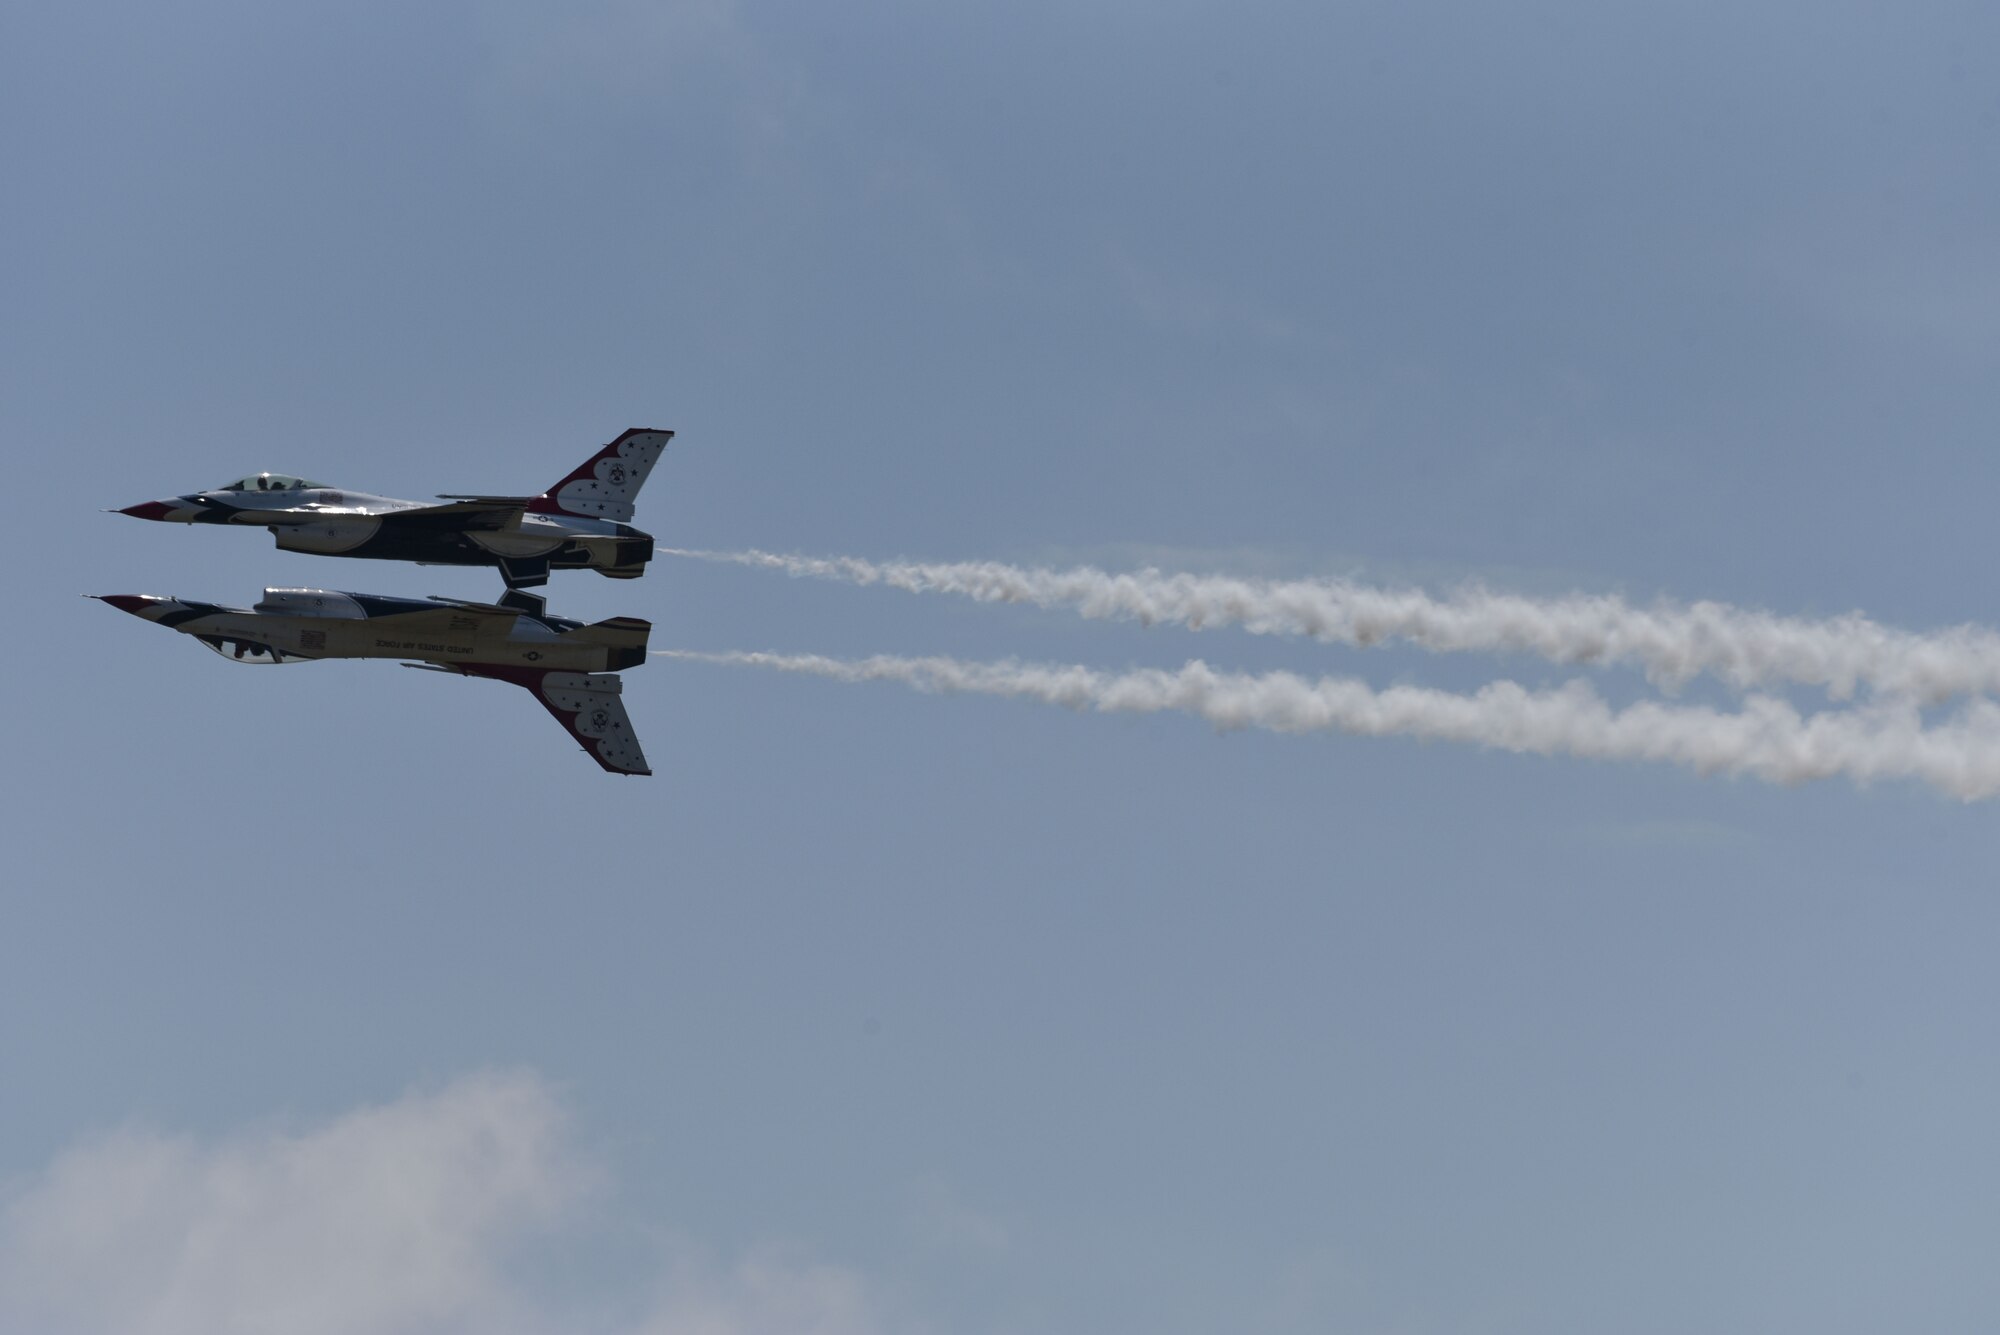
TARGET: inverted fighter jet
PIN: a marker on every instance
(565, 665)
(583, 522)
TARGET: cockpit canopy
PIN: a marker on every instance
(246, 651)
(272, 482)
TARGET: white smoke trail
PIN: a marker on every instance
(1768, 738)
(1671, 643)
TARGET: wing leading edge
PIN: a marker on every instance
(463, 512)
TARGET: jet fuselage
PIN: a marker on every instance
(322, 521)
(582, 522)
(321, 623)
(569, 667)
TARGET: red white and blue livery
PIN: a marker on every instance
(569, 667)
(583, 522)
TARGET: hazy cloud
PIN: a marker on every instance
(400, 1218)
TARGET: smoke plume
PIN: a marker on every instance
(1767, 739)
(1671, 643)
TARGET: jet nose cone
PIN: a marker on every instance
(148, 510)
(134, 603)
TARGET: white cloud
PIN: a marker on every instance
(387, 1220)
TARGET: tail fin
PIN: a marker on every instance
(587, 704)
(608, 482)
(626, 637)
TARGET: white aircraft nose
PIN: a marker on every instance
(148, 510)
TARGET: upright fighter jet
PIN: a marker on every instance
(567, 666)
(583, 522)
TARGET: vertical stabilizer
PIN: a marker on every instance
(607, 483)
(587, 704)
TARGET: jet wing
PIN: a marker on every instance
(466, 512)
(587, 704)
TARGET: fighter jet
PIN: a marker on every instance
(583, 522)
(566, 665)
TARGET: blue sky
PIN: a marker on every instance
(884, 1011)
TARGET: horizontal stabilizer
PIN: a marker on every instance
(626, 638)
